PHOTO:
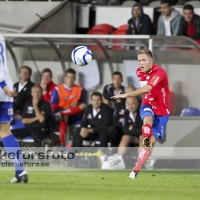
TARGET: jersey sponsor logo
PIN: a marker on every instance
(10, 111)
(147, 77)
(154, 80)
(30, 109)
(143, 83)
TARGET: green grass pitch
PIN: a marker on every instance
(102, 185)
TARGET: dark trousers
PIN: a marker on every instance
(115, 134)
(102, 135)
(38, 134)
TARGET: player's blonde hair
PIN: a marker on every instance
(145, 51)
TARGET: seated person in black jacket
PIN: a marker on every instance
(112, 89)
(23, 88)
(95, 122)
(189, 23)
(115, 131)
(140, 23)
(132, 133)
(36, 117)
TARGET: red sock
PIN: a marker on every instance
(143, 157)
(147, 130)
(62, 131)
(71, 111)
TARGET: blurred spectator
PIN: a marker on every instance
(190, 23)
(67, 103)
(172, 102)
(115, 132)
(168, 22)
(47, 84)
(112, 89)
(132, 134)
(140, 23)
(23, 87)
(94, 125)
(36, 117)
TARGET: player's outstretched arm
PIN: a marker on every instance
(138, 92)
(9, 92)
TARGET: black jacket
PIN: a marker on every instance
(23, 96)
(102, 120)
(145, 25)
(137, 125)
(118, 113)
(108, 92)
(29, 112)
(183, 27)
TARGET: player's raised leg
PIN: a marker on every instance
(148, 141)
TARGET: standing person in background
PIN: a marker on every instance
(168, 22)
(140, 23)
(23, 88)
(47, 84)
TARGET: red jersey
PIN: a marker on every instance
(50, 87)
(158, 97)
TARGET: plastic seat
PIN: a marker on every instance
(103, 27)
(191, 111)
(120, 31)
(98, 32)
(128, 3)
(155, 4)
(123, 27)
(195, 4)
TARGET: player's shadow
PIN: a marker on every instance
(181, 99)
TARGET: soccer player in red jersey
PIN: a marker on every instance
(154, 109)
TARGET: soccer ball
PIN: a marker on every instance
(81, 55)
